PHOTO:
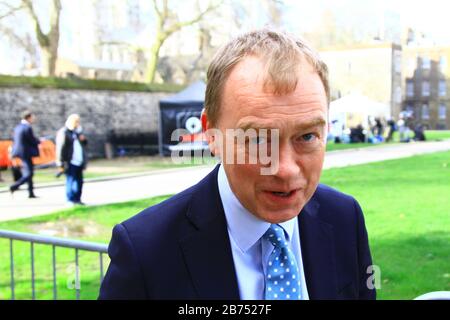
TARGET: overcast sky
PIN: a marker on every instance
(429, 16)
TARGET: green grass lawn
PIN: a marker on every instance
(406, 205)
(87, 223)
(436, 135)
(85, 84)
(407, 208)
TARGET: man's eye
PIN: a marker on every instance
(258, 140)
(308, 137)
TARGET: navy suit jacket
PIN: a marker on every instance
(180, 249)
(25, 144)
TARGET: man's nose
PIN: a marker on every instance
(288, 166)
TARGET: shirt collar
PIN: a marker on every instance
(245, 228)
(23, 121)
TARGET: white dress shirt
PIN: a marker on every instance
(250, 252)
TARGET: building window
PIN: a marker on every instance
(426, 88)
(409, 88)
(442, 111)
(425, 112)
(426, 63)
(442, 88)
(443, 63)
(409, 110)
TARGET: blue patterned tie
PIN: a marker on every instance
(282, 276)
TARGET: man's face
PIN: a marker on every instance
(300, 117)
(31, 118)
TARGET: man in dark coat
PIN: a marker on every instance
(256, 227)
(25, 147)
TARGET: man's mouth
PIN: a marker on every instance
(283, 194)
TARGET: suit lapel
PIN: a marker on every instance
(206, 249)
(317, 244)
(208, 257)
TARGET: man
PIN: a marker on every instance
(25, 147)
(238, 233)
(71, 157)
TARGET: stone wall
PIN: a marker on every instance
(101, 113)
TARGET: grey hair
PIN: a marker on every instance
(282, 54)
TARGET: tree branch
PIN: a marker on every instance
(165, 9)
(155, 6)
(9, 32)
(41, 37)
(177, 26)
(11, 11)
(54, 23)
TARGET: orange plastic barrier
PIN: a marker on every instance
(47, 153)
(4, 156)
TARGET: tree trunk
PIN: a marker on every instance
(53, 37)
(153, 59)
(49, 56)
(46, 58)
(49, 42)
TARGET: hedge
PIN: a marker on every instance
(85, 84)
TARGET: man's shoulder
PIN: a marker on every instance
(335, 207)
(331, 195)
(21, 127)
(170, 217)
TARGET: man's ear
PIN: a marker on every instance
(209, 132)
(204, 120)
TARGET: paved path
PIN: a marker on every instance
(175, 180)
(350, 157)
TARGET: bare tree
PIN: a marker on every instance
(48, 42)
(167, 24)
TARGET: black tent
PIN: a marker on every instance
(180, 111)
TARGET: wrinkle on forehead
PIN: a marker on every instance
(253, 122)
(244, 93)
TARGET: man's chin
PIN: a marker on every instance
(278, 216)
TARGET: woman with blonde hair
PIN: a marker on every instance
(71, 157)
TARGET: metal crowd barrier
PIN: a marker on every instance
(77, 245)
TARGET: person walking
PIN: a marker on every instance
(392, 128)
(71, 157)
(25, 147)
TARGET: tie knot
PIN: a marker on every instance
(275, 234)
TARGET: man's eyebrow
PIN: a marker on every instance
(315, 122)
(250, 124)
